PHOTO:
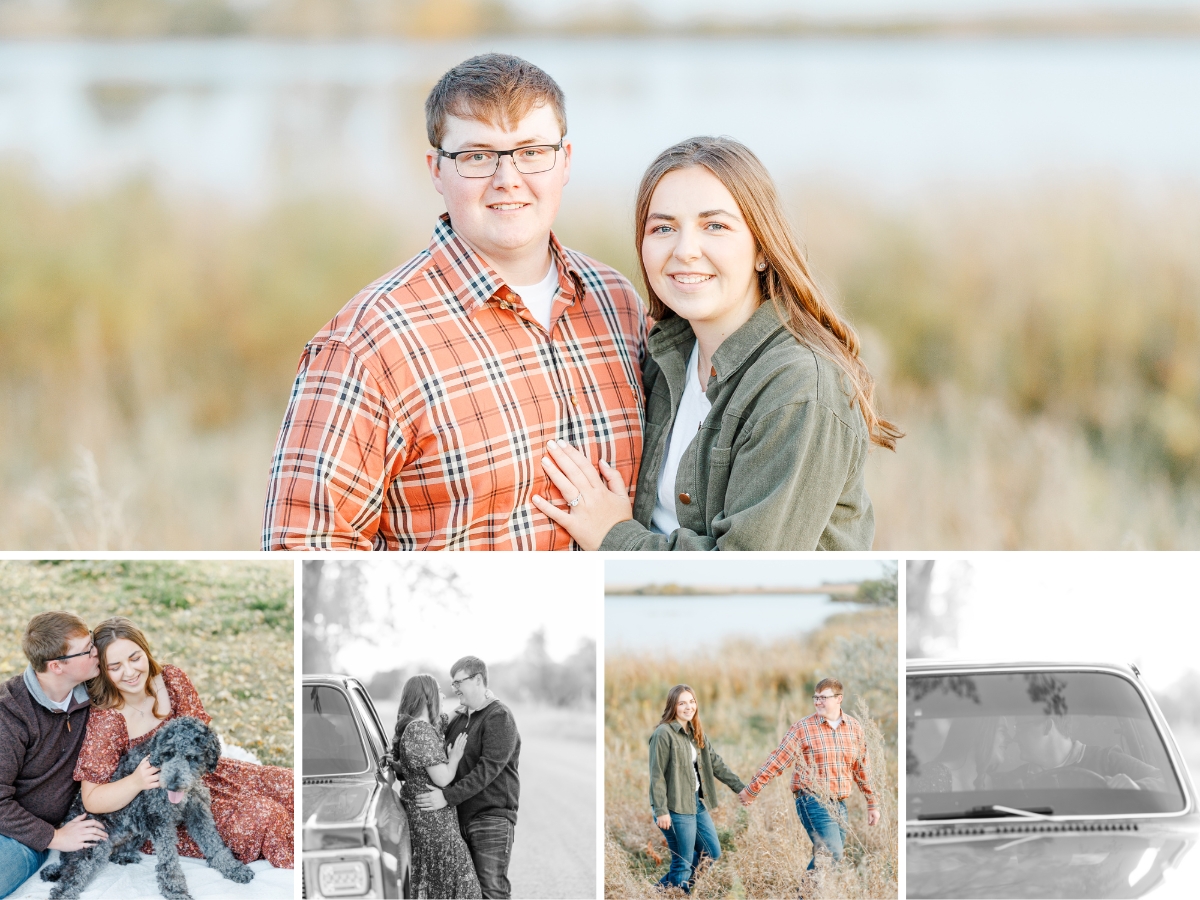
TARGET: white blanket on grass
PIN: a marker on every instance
(137, 882)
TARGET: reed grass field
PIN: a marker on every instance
(1040, 346)
(749, 694)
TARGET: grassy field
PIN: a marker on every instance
(749, 694)
(1040, 346)
(228, 625)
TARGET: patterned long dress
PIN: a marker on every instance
(442, 865)
(251, 805)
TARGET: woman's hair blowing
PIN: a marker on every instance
(787, 282)
(668, 715)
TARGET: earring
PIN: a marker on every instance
(761, 266)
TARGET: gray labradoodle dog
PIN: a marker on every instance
(184, 750)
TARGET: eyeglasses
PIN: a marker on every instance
(484, 163)
(457, 684)
(821, 698)
(91, 648)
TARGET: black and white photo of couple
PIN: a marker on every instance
(461, 783)
(145, 730)
(459, 699)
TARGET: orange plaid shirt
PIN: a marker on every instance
(825, 758)
(420, 413)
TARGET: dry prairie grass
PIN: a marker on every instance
(228, 625)
(1041, 348)
(749, 694)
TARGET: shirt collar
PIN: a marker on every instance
(1074, 757)
(474, 282)
(79, 694)
(676, 331)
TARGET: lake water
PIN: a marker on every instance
(252, 121)
(640, 623)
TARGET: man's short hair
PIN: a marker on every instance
(832, 683)
(494, 88)
(47, 636)
(472, 665)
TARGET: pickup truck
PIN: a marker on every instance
(356, 839)
(1043, 780)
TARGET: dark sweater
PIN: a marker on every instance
(486, 782)
(38, 750)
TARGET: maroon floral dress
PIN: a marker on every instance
(252, 805)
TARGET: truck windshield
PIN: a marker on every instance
(332, 745)
(1074, 743)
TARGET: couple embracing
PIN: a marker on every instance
(500, 391)
(86, 697)
(826, 750)
(460, 784)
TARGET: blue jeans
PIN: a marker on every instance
(689, 838)
(826, 827)
(489, 839)
(17, 864)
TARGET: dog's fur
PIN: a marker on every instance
(184, 750)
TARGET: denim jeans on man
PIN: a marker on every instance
(490, 841)
(824, 825)
(688, 838)
(17, 864)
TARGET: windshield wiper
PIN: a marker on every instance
(994, 811)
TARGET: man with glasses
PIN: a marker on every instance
(43, 716)
(1054, 758)
(828, 751)
(486, 786)
(420, 414)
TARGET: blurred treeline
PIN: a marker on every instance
(1040, 346)
(531, 677)
(276, 18)
(327, 19)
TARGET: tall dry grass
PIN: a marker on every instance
(749, 694)
(1040, 346)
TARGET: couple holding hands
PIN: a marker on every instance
(828, 751)
(500, 391)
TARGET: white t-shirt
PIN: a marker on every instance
(693, 408)
(539, 298)
(695, 770)
(64, 702)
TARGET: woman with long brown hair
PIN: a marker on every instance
(442, 864)
(683, 766)
(759, 411)
(133, 695)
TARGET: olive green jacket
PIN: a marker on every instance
(780, 461)
(672, 778)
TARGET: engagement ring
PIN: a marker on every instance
(574, 503)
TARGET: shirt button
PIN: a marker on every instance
(685, 499)
(574, 401)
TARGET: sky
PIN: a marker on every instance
(508, 596)
(1082, 607)
(741, 572)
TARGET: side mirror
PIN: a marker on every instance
(386, 765)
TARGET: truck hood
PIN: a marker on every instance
(1097, 859)
(337, 804)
